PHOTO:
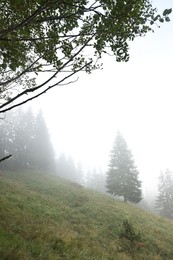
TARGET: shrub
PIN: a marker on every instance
(129, 237)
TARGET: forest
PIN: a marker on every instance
(25, 136)
(51, 206)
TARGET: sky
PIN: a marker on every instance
(135, 98)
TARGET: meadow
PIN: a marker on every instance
(45, 217)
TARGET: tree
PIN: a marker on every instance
(66, 168)
(164, 200)
(122, 176)
(80, 174)
(8, 134)
(95, 180)
(23, 123)
(42, 148)
(26, 137)
(54, 37)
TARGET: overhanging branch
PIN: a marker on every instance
(31, 90)
(44, 91)
(5, 158)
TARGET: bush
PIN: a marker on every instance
(129, 237)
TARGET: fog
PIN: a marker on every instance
(84, 164)
(134, 98)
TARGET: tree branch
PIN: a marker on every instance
(26, 91)
(5, 158)
(24, 22)
(44, 91)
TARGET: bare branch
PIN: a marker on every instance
(30, 90)
(22, 73)
(5, 158)
(44, 91)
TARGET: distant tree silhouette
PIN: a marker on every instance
(96, 180)
(7, 137)
(26, 137)
(80, 173)
(3, 150)
(122, 176)
(164, 200)
(66, 169)
(43, 150)
(24, 128)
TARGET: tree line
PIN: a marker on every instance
(122, 180)
(25, 143)
(54, 37)
(24, 135)
(164, 199)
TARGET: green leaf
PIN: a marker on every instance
(167, 11)
(161, 20)
(167, 19)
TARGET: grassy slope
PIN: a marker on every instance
(43, 217)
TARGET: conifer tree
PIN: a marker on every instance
(42, 147)
(8, 144)
(122, 176)
(26, 137)
(24, 133)
(164, 200)
(4, 132)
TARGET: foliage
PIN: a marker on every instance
(164, 201)
(55, 37)
(130, 237)
(122, 176)
(25, 136)
(45, 217)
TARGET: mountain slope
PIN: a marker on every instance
(45, 217)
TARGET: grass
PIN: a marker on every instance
(45, 217)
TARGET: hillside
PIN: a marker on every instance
(45, 217)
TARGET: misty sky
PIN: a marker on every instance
(135, 98)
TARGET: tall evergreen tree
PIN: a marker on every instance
(24, 133)
(4, 131)
(8, 135)
(122, 176)
(164, 200)
(42, 147)
(26, 137)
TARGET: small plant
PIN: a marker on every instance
(129, 237)
(60, 246)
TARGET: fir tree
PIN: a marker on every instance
(26, 137)
(164, 200)
(42, 147)
(8, 129)
(122, 176)
(24, 133)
